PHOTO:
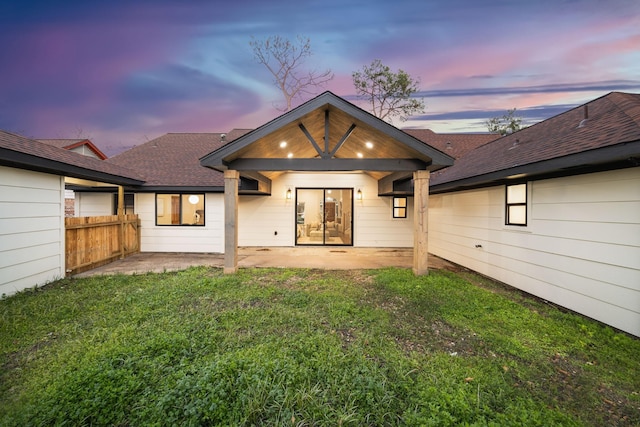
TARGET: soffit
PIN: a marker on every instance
(363, 142)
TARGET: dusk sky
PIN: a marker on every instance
(123, 72)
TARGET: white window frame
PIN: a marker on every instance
(517, 202)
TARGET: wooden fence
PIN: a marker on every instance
(98, 240)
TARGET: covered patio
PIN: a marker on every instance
(328, 135)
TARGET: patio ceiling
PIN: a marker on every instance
(326, 134)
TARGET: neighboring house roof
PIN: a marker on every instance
(24, 153)
(599, 134)
(75, 145)
(454, 144)
(172, 160)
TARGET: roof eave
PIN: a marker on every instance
(611, 157)
(20, 160)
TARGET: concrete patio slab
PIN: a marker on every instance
(329, 258)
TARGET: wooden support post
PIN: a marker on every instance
(420, 222)
(121, 219)
(231, 178)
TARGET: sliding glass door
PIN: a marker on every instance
(324, 216)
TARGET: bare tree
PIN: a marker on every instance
(389, 94)
(284, 60)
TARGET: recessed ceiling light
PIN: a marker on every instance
(359, 155)
(369, 144)
(290, 155)
(283, 144)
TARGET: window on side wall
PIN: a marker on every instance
(180, 209)
(128, 204)
(516, 206)
(399, 207)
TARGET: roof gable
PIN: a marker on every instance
(326, 127)
(74, 144)
(604, 130)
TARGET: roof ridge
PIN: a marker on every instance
(630, 98)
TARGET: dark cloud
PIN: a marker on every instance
(530, 115)
(604, 86)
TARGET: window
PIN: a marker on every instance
(399, 207)
(128, 204)
(516, 206)
(179, 209)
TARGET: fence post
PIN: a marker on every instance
(121, 218)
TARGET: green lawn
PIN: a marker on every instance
(307, 347)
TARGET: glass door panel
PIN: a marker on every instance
(324, 216)
(309, 217)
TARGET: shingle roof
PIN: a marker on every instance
(612, 120)
(172, 160)
(454, 144)
(25, 153)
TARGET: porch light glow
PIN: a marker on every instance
(288, 194)
(290, 155)
(283, 144)
(359, 194)
(359, 155)
(369, 144)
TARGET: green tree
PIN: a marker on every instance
(285, 59)
(389, 94)
(506, 124)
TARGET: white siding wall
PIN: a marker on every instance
(167, 238)
(31, 229)
(259, 217)
(581, 248)
(93, 204)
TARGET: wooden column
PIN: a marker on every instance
(231, 178)
(420, 222)
(121, 219)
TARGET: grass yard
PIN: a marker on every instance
(307, 348)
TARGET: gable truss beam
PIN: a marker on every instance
(328, 165)
(312, 141)
(324, 153)
(342, 140)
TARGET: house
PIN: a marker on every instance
(553, 210)
(32, 188)
(324, 174)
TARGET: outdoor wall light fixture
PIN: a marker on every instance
(288, 194)
(359, 194)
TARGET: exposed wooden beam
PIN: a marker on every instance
(342, 140)
(311, 140)
(326, 131)
(329, 165)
